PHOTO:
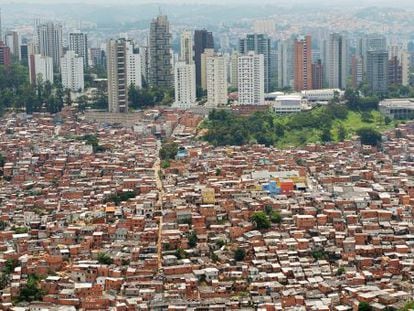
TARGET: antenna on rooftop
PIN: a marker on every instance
(159, 10)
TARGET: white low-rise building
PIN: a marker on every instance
(289, 104)
(322, 94)
(397, 108)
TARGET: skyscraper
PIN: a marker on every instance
(371, 42)
(186, 51)
(124, 70)
(160, 67)
(251, 79)
(336, 63)
(203, 39)
(49, 41)
(260, 44)
(216, 75)
(286, 60)
(72, 71)
(377, 71)
(303, 63)
(78, 42)
(185, 88)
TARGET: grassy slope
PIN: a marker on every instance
(352, 123)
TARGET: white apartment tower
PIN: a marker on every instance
(78, 42)
(71, 68)
(186, 51)
(216, 80)
(251, 79)
(134, 65)
(40, 68)
(49, 41)
(337, 65)
(184, 82)
(203, 61)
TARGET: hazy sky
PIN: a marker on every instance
(313, 2)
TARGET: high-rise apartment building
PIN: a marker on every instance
(303, 64)
(216, 76)
(234, 67)
(377, 71)
(124, 70)
(317, 75)
(394, 71)
(5, 57)
(97, 57)
(370, 42)
(186, 48)
(336, 62)
(78, 42)
(13, 41)
(251, 79)
(203, 40)
(40, 68)
(185, 88)
(259, 44)
(160, 67)
(285, 61)
(72, 72)
(357, 70)
(49, 41)
(203, 70)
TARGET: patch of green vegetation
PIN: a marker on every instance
(20, 230)
(168, 151)
(92, 140)
(120, 197)
(31, 291)
(105, 259)
(239, 254)
(333, 122)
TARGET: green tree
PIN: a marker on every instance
(168, 151)
(326, 135)
(275, 217)
(20, 230)
(239, 254)
(364, 306)
(180, 253)
(341, 270)
(105, 259)
(260, 220)
(134, 97)
(366, 117)
(342, 132)
(82, 103)
(68, 97)
(409, 305)
(369, 136)
(2, 160)
(31, 290)
(192, 239)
